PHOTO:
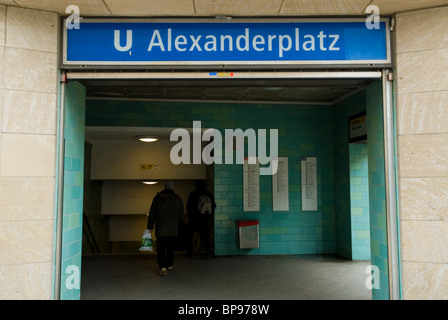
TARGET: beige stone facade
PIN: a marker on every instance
(422, 116)
(28, 87)
(29, 49)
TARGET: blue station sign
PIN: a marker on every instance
(140, 43)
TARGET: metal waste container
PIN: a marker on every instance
(248, 234)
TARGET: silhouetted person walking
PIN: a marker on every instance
(200, 209)
(167, 209)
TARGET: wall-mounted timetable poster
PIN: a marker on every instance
(309, 183)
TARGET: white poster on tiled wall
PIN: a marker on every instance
(309, 183)
(251, 181)
(280, 186)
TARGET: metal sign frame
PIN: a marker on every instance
(248, 64)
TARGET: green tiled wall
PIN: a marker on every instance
(369, 100)
(377, 187)
(359, 201)
(303, 131)
(74, 132)
(342, 111)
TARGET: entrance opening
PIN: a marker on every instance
(122, 176)
(311, 116)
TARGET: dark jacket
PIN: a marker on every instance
(167, 209)
(192, 203)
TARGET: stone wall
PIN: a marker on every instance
(422, 113)
(28, 117)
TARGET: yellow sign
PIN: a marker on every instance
(148, 167)
(358, 128)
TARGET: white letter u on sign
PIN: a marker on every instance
(117, 42)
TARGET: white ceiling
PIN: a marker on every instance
(225, 7)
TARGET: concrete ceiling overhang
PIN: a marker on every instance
(299, 91)
(321, 92)
(198, 8)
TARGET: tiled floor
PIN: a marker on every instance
(135, 277)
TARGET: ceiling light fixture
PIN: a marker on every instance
(147, 138)
(150, 182)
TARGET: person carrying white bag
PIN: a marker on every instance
(167, 210)
(146, 244)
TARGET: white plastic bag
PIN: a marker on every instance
(146, 243)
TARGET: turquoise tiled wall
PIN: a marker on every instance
(369, 100)
(73, 189)
(303, 131)
(377, 187)
(342, 111)
(359, 201)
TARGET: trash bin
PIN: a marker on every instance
(248, 234)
